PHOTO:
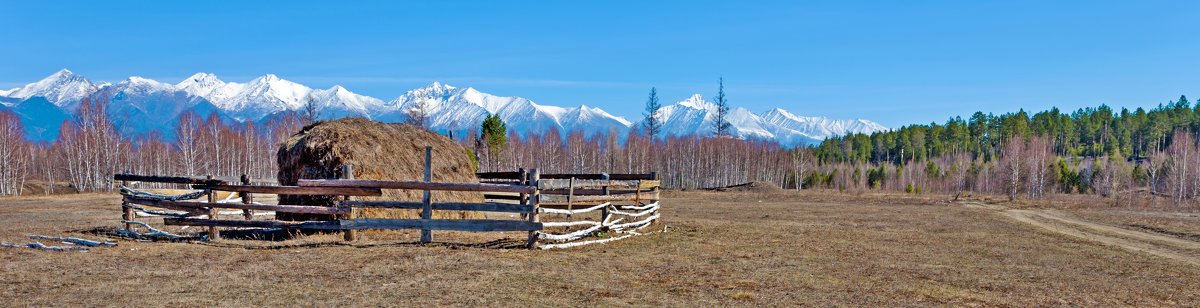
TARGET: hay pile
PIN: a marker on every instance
(377, 151)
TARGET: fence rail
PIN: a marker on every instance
(523, 192)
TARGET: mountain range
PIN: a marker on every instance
(139, 105)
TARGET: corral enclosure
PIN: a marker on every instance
(354, 174)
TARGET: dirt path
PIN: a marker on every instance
(1056, 221)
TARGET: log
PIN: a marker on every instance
(75, 240)
(571, 212)
(503, 197)
(170, 205)
(469, 225)
(318, 225)
(567, 184)
(576, 244)
(445, 206)
(557, 199)
(581, 176)
(414, 185)
(296, 190)
(198, 208)
(166, 179)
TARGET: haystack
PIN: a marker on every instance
(377, 151)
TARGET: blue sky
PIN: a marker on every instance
(896, 62)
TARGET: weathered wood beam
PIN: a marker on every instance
(567, 184)
(444, 206)
(416, 185)
(469, 225)
(296, 190)
(556, 199)
(165, 179)
(200, 208)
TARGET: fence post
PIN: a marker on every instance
(570, 194)
(523, 179)
(427, 203)
(534, 179)
(348, 174)
(247, 198)
(605, 190)
(214, 234)
(126, 211)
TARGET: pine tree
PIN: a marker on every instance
(721, 124)
(495, 136)
(652, 123)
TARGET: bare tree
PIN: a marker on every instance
(309, 111)
(418, 114)
(1011, 164)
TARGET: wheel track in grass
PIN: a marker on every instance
(1056, 221)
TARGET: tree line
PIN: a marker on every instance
(1124, 155)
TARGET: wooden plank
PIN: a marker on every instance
(443, 206)
(170, 205)
(296, 190)
(499, 175)
(555, 199)
(567, 184)
(503, 197)
(165, 179)
(318, 225)
(199, 208)
(563, 176)
(469, 225)
(414, 185)
(581, 192)
(648, 184)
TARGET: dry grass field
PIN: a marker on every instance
(719, 248)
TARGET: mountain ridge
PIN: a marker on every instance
(139, 104)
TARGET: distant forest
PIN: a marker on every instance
(1128, 156)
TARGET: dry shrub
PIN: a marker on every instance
(377, 151)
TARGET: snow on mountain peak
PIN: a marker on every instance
(62, 88)
(697, 101)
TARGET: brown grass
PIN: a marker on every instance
(377, 151)
(720, 249)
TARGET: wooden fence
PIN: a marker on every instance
(528, 193)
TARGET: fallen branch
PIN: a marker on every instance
(576, 244)
(76, 241)
(639, 208)
(638, 214)
(38, 245)
(153, 232)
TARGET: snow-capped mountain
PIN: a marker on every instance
(139, 105)
(453, 108)
(794, 128)
(63, 88)
(695, 115)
